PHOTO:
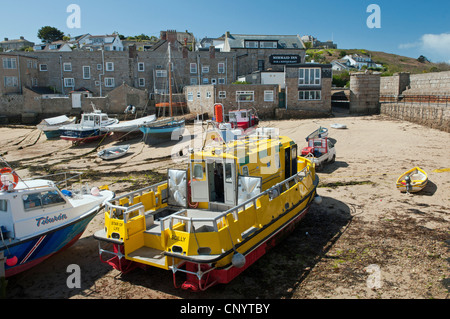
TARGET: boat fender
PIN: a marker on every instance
(318, 199)
(10, 262)
(95, 191)
(4, 183)
(238, 260)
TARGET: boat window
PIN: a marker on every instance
(91, 118)
(85, 118)
(3, 205)
(198, 171)
(228, 173)
(104, 118)
(32, 201)
(245, 170)
(51, 198)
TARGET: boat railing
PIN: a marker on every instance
(61, 180)
(112, 207)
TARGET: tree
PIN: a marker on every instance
(50, 34)
(422, 59)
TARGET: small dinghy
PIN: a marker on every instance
(113, 152)
(321, 132)
(338, 126)
(412, 181)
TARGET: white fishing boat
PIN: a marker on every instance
(38, 217)
(91, 127)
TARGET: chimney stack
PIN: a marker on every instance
(6, 39)
(22, 38)
(212, 52)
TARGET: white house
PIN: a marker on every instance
(97, 42)
(358, 61)
(57, 46)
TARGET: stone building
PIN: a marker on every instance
(17, 71)
(308, 89)
(16, 44)
(264, 52)
(263, 98)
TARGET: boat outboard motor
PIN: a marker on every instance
(408, 184)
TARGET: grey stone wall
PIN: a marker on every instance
(437, 117)
(364, 93)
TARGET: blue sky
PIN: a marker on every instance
(409, 28)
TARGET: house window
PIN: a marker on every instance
(222, 94)
(11, 81)
(86, 72)
(205, 69)
(213, 81)
(193, 67)
(110, 66)
(309, 76)
(198, 94)
(43, 67)
(161, 73)
(251, 44)
(29, 64)
(205, 80)
(221, 68)
(141, 82)
(245, 96)
(208, 95)
(193, 81)
(268, 96)
(109, 82)
(221, 80)
(67, 67)
(99, 67)
(309, 95)
(69, 82)
(9, 63)
(141, 67)
(190, 96)
(268, 44)
(34, 82)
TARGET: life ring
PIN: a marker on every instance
(7, 170)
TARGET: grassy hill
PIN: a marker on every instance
(392, 63)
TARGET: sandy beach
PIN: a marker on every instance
(364, 225)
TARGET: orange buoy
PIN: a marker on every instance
(218, 112)
(3, 182)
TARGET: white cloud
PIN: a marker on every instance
(434, 46)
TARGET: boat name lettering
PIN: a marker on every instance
(178, 238)
(48, 220)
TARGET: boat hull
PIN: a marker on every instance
(33, 251)
(82, 135)
(419, 180)
(52, 134)
(154, 135)
(226, 274)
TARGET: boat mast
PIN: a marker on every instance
(170, 82)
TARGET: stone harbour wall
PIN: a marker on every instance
(437, 117)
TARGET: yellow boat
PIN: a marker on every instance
(217, 217)
(412, 181)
